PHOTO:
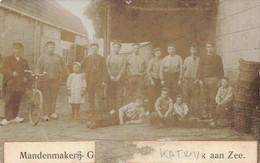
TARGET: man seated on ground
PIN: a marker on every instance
(163, 110)
(132, 113)
(180, 109)
(224, 100)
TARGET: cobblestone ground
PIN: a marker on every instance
(112, 143)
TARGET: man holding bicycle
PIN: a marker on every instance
(55, 67)
(14, 85)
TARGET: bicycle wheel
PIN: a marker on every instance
(36, 107)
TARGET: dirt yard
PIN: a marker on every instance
(113, 144)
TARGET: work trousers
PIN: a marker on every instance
(171, 82)
(116, 92)
(12, 103)
(96, 96)
(209, 94)
(50, 89)
(155, 91)
(191, 92)
(223, 111)
(135, 85)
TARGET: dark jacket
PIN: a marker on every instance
(95, 68)
(10, 65)
(210, 66)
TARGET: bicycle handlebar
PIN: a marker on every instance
(33, 74)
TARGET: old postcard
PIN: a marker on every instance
(114, 81)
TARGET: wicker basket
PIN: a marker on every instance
(245, 86)
(244, 107)
(256, 131)
(244, 97)
(253, 126)
(248, 75)
(248, 65)
(241, 123)
(257, 113)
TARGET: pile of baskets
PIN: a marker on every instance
(246, 117)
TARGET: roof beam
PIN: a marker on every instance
(166, 8)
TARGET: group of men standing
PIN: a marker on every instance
(122, 78)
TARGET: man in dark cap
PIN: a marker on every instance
(210, 71)
(135, 67)
(116, 68)
(15, 81)
(94, 67)
(54, 65)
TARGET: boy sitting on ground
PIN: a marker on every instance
(180, 109)
(163, 110)
(224, 100)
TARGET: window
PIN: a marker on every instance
(68, 57)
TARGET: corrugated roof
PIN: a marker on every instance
(48, 11)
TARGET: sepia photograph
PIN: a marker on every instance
(129, 78)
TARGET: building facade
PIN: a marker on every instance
(238, 33)
(34, 23)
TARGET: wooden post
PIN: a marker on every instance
(108, 29)
(107, 33)
(34, 45)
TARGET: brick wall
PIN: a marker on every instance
(238, 33)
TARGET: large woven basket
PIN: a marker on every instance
(256, 127)
(241, 123)
(247, 97)
(244, 107)
(248, 75)
(249, 65)
(248, 71)
(245, 86)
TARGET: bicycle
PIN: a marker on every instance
(36, 107)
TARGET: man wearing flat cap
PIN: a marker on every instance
(54, 65)
(153, 73)
(15, 81)
(116, 68)
(171, 71)
(94, 67)
(135, 67)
